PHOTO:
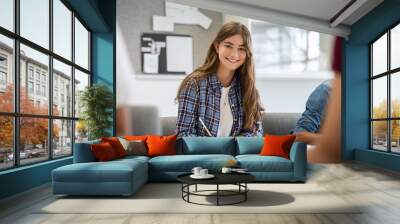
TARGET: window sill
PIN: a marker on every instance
(26, 167)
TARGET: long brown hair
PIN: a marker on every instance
(250, 96)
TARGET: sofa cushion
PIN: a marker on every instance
(116, 145)
(249, 145)
(111, 171)
(161, 145)
(207, 145)
(103, 152)
(83, 152)
(277, 145)
(185, 163)
(257, 163)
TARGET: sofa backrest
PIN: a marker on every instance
(273, 123)
(206, 145)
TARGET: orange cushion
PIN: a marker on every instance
(161, 145)
(136, 137)
(103, 151)
(277, 145)
(116, 145)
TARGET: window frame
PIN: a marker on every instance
(388, 74)
(16, 115)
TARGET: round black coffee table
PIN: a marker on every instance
(238, 179)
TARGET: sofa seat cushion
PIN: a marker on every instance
(111, 171)
(185, 163)
(257, 163)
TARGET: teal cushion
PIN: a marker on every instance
(185, 163)
(207, 145)
(111, 171)
(249, 145)
(257, 163)
(83, 152)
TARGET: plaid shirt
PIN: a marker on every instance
(201, 99)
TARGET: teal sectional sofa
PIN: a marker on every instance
(125, 176)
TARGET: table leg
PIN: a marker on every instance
(217, 194)
(196, 188)
(245, 193)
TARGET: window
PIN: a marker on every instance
(3, 72)
(45, 131)
(385, 95)
(81, 45)
(285, 50)
(3, 61)
(37, 89)
(34, 21)
(30, 72)
(30, 87)
(7, 14)
(6, 73)
(44, 91)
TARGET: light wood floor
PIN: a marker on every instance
(377, 188)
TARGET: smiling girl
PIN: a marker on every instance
(220, 98)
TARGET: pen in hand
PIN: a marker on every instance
(204, 126)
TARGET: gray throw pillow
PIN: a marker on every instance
(134, 147)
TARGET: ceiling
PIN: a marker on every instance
(317, 15)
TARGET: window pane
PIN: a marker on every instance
(379, 135)
(282, 50)
(81, 45)
(33, 140)
(6, 74)
(35, 21)
(81, 131)
(395, 129)
(34, 72)
(379, 55)
(379, 100)
(62, 141)
(395, 94)
(395, 47)
(62, 89)
(6, 142)
(81, 81)
(7, 14)
(62, 29)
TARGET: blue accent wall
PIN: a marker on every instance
(356, 85)
(24, 178)
(100, 17)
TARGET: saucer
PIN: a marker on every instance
(208, 176)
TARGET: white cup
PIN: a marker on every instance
(226, 170)
(196, 170)
(203, 172)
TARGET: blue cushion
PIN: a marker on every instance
(249, 145)
(185, 163)
(111, 171)
(207, 145)
(257, 163)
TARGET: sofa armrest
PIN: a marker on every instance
(83, 152)
(298, 155)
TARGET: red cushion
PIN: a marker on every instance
(277, 145)
(136, 137)
(161, 145)
(103, 151)
(116, 145)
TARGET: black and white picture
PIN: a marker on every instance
(166, 53)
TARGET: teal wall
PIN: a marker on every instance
(99, 16)
(356, 85)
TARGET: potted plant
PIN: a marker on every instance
(96, 102)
